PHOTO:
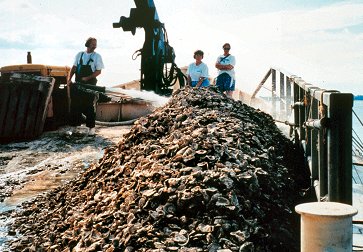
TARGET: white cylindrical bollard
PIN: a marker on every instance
(326, 226)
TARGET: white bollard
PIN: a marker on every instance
(326, 226)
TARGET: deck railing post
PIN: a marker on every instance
(273, 92)
(296, 110)
(340, 148)
(307, 115)
(323, 172)
(302, 114)
(282, 94)
(322, 126)
(314, 144)
(288, 97)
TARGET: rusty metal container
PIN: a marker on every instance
(123, 110)
(58, 106)
(23, 106)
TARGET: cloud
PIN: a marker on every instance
(317, 45)
(320, 44)
(337, 16)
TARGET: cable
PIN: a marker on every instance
(357, 117)
(358, 138)
(169, 75)
(136, 54)
(356, 170)
(357, 145)
(360, 179)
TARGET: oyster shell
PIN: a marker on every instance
(202, 173)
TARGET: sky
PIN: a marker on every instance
(319, 41)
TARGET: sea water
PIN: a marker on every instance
(356, 124)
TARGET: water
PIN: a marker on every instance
(155, 99)
(357, 173)
(45, 163)
(358, 109)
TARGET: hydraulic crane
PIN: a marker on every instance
(158, 69)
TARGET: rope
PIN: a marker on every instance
(361, 123)
(306, 103)
(321, 105)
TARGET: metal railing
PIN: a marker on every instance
(321, 123)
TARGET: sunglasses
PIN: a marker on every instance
(226, 48)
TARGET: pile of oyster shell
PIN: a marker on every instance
(202, 173)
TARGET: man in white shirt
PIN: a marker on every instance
(86, 67)
(87, 64)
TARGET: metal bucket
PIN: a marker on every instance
(122, 111)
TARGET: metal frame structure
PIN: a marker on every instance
(158, 69)
(322, 126)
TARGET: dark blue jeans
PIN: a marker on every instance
(225, 82)
(83, 101)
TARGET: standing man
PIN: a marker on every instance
(87, 66)
(226, 77)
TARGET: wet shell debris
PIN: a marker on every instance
(202, 173)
